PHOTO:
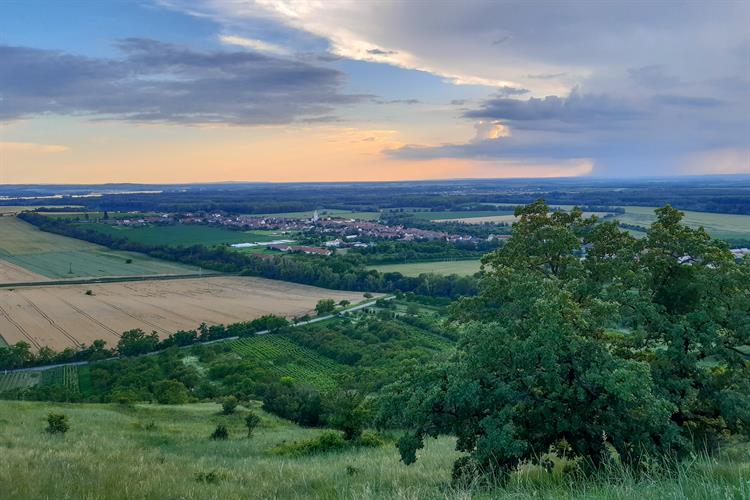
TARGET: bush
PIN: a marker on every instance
(328, 441)
(325, 306)
(170, 392)
(220, 433)
(57, 423)
(229, 405)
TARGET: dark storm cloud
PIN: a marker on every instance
(575, 108)
(160, 82)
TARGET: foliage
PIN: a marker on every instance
(325, 306)
(229, 405)
(57, 423)
(220, 433)
(251, 422)
(299, 404)
(170, 392)
(539, 368)
(348, 412)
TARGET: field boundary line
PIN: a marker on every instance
(115, 279)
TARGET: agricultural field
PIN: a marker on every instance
(18, 380)
(7, 210)
(499, 216)
(28, 254)
(287, 359)
(324, 212)
(460, 267)
(442, 216)
(67, 315)
(722, 226)
(184, 234)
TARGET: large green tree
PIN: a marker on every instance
(586, 339)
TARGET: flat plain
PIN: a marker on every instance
(28, 254)
(460, 267)
(723, 226)
(63, 316)
(183, 234)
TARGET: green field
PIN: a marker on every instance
(185, 234)
(459, 214)
(722, 226)
(56, 256)
(98, 215)
(156, 451)
(460, 267)
(287, 359)
(323, 212)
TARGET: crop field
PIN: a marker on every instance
(63, 375)
(288, 359)
(460, 267)
(28, 254)
(14, 209)
(459, 214)
(724, 226)
(324, 212)
(65, 315)
(184, 234)
(18, 380)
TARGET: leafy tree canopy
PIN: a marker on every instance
(586, 340)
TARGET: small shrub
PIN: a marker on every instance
(220, 433)
(350, 470)
(57, 423)
(370, 439)
(229, 405)
(251, 422)
(367, 295)
(208, 477)
(326, 442)
(128, 261)
(89, 292)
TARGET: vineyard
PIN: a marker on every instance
(64, 375)
(18, 380)
(286, 358)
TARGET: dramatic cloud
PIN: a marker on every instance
(160, 82)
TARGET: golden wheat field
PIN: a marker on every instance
(65, 315)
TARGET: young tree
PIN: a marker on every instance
(347, 411)
(251, 422)
(229, 405)
(325, 306)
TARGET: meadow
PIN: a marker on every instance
(183, 234)
(167, 453)
(460, 267)
(459, 214)
(28, 254)
(63, 316)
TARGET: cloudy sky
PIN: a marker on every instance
(283, 90)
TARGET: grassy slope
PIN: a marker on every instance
(188, 234)
(153, 451)
(460, 267)
(52, 255)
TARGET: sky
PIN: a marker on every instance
(160, 91)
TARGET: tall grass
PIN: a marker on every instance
(152, 451)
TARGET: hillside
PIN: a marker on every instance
(166, 451)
